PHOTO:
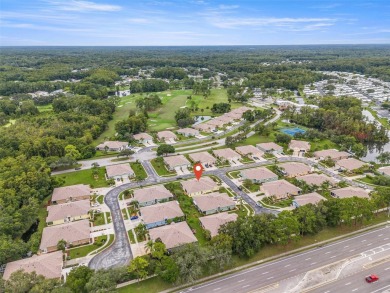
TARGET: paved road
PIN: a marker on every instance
(265, 277)
(356, 283)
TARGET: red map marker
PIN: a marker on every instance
(198, 169)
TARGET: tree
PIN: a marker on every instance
(61, 245)
(310, 222)
(149, 246)
(183, 117)
(103, 281)
(72, 152)
(141, 231)
(282, 138)
(159, 250)
(138, 266)
(125, 153)
(78, 278)
(165, 149)
(168, 270)
(384, 158)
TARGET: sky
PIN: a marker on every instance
(193, 22)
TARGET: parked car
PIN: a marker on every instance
(239, 188)
(77, 168)
(372, 278)
(259, 204)
(134, 218)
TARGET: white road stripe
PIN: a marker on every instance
(380, 235)
(270, 278)
(328, 252)
(286, 266)
(264, 273)
(364, 240)
(352, 250)
(216, 289)
(349, 283)
(333, 256)
(346, 246)
(308, 258)
(292, 270)
(369, 244)
(245, 286)
(386, 239)
(241, 281)
(313, 263)
(354, 289)
(386, 269)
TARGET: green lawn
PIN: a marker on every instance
(108, 216)
(99, 219)
(234, 174)
(45, 108)
(322, 145)
(131, 236)
(85, 177)
(247, 160)
(161, 169)
(124, 214)
(189, 209)
(100, 199)
(278, 203)
(85, 249)
(138, 170)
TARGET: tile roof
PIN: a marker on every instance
(188, 131)
(259, 173)
(69, 209)
(48, 265)
(70, 232)
(74, 191)
(173, 235)
(151, 193)
(214, 222)
(226, 153)
(268, 146)
(161, 211)
(113, 144)
(279, 188)
(175, 161)
(142, 136)
(249, 149)
(166, 134)
(385, 170)
(316, 179)
(203, 157)
(119, 170)
(332, 153)
(211, 201)
(351, 192)
(312, 198)
(350, 164)
(293, 169)
(204, 184)
(299, 144)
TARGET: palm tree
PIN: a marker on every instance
(149, 246)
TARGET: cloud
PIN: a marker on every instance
(139, 20)
(228, 7)
(78, 5)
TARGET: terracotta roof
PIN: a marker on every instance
(351, 192)
(260, 173)
(205, 184)
(211, 201)
(249, 149)
(226, 153)
(293, 169)
(316, 179)
(173, 235)
(268, 146)
(48, 265)
(241, 110)
(74, 191)
(151, 193)
(233, 115)
(175, 161)
(332, 153)
(113, 144)
(142, 136)
(119, 170)
(204, 127)
(299, 144)
(161, 211)
(70, 209)
(279, 188)
(203, 157)
(312, 198)
(70, 232)
(214, 222)
(166, 134)
(350, 164)
(216, 122)
(188, 131)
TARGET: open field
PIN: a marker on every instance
(85, 177)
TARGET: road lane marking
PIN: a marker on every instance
(369, 244)
(349, 283)
(380, 235)
(245, 286)
(313, 263)
(270, 278)
(346, 246)
(333, 256)
(364, 240)
(286, 266)
(386, 239)
(328, 252)
(292, 270)
(216, 289)
(241, 281)
(352, 250)
(308, 258)
(354, 289)
(264, 273)
(387, 269)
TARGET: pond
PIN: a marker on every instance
(199, 119)
(292, 131)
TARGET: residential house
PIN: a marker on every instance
(152, 195)
(350, 192)
(317, 179)
(299, 146)
(217, 123)
(384, 170)
(212, 203)
(234, 115)
(70, 193)
(113, 146)
(349, 164)
(176, 162)
(159, 214)
(205, 127)
(280, 189)
(74, 233)
(293, 169)
(173, 235)
(269, 147)
(304, 199)
(143, 138)
(166, 136)
(258, 175)
(227, 154)
(194, 187)
(331, 153)
(203, 157)
(212, 223)
(48, 265)
(250, 151)
(68, 212)
(187, 132)
(119, 171)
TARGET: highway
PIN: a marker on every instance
(270, 276)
